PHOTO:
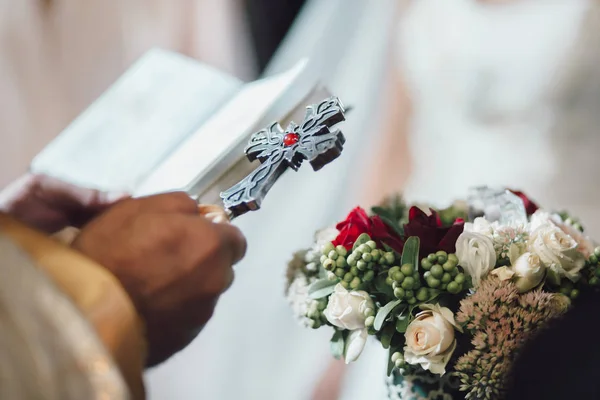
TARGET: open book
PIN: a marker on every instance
(172, 123)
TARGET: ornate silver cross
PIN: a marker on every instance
(277, 150)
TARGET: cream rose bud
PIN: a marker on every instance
(503, 273)
(430, 339)
(476, 254)
(355, 343)
(346, 309)
(529, 272)
(557, 251)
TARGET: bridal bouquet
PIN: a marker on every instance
(453, 293)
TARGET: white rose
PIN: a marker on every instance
(476, 255)
(430, 339)
(557, 251)
(480, 225)
(346, 309)
(541, 217)
(529, 272)
(584, 244)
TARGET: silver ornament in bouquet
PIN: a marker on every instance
(452, 294)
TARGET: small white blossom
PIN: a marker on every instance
(510, 241)
(323, 237)
(301, 303)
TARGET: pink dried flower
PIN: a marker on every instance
(295, 267)
(500, 320)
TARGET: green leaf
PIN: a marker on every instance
(382, 287)
(387, 247)
(434, 295)
(552, 277)
(383, 312)
(362, 239)
(322, 273)
(387, 336)
(394, 208)
(394, 225)
(382, 212)
(390, 218)
(322, 288)
(410, 254)
(337, 344)
(411, 309)
(402, 322)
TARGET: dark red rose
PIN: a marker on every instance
(431, 233)
(358, 222)
(530, 206)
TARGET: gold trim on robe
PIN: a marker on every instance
(96, 293)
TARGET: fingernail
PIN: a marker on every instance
(213, 213)
(217, 218)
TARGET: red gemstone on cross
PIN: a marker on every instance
(290, 139)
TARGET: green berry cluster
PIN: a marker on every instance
(407, 285)
(593, 268)
(357, 267)
(569, 220)
(442, 272)
(370, 320)
(568, 289)
(590, 278)
(315, 313)
(575, 224)
(398, 360)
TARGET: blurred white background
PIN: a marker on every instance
(446, 94)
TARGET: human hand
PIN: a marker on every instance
(173, 262)
(50, 205)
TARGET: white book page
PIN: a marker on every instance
(226, 130)
(136, 123)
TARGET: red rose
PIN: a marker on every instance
(358, 222)
(432, 234)
(530, 206)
